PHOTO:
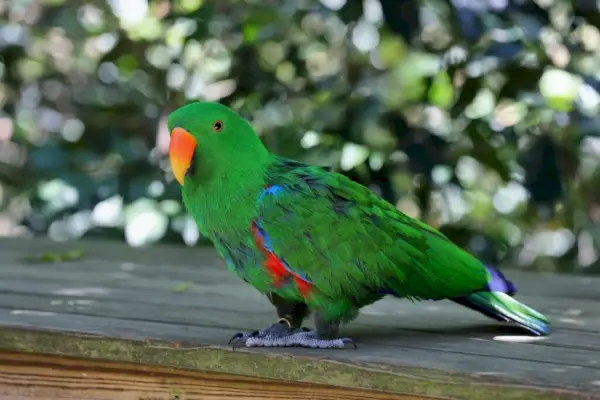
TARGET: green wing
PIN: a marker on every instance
(348, 242)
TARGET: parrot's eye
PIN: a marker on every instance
(218, 126)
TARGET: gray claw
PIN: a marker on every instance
(275, 330)
(236, 336)
(350, 342)
(242, 336)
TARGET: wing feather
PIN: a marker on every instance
(347, 241)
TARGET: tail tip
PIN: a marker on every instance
(538, 328)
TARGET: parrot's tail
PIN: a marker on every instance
(497, 303)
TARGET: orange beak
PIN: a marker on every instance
(181, 152)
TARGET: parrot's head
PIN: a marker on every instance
(211, 141)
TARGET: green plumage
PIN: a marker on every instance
(350, 242)
(341, 239)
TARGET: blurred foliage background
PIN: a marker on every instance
(477, 116)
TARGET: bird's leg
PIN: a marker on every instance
(327, 334)
(326, 329)
(288, 331)
(290, 313)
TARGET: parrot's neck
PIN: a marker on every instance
(226, 203)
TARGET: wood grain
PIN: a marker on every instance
(26, 376)
(126, 297)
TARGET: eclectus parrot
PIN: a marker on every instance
(315, 241)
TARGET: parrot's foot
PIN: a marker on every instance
(281, 334)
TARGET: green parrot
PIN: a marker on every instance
(315, 241)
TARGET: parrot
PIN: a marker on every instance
(313, 241)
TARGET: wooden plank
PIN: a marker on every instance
(431, 348)
(405, 380)
(25, 376)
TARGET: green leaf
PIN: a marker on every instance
(441, 92)
(181, 288)
(51, 257)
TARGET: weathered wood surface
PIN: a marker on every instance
(116, 298)
(27, 377)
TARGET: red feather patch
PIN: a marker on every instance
(304, 287)
(272, 263)
(275, 266)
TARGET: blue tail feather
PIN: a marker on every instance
(499, 283)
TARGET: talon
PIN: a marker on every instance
(242, 336)
(350, 342)
(236, 336)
